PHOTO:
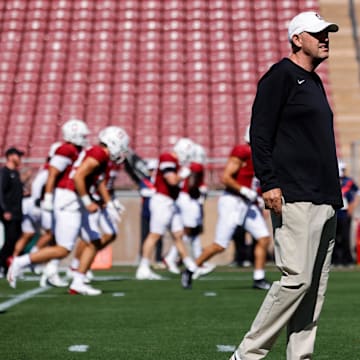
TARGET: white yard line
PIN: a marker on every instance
(22, 297)
(32, 293)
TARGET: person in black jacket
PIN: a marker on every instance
(294, 155)
(11, 193)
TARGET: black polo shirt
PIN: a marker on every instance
(292, 136)
(11, 192)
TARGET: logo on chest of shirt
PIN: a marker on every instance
(300, 81)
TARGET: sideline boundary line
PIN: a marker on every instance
(22, 297)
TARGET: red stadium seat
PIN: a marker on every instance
(163, 68)
(143, 120)
(36, 151)
(172, 118)
(20, 119)
(148, 151)
(39, 4)
(144, 88)
(145, 130)
(15, 5)
(174, 5)
(13, 24)
(100, 77)
(48, 108)
(50, 66)
(52, 76)
(124, 87)
(49, 98)
(18, 140)
(24, 99)
(42, 130)
(46, 119)
(6, 87)
(63, 14)
(173, 99)
(8, 66)
(198, 99)
(73, 98)
(75, 87)
(22, 109)
(28, 76)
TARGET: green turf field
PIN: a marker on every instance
(150, 320)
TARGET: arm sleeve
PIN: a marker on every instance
(38, 184)
(270, 99)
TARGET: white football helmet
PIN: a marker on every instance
(117, 141)
(53, 148)
(75, 131)
(199, 154)
(184, 150)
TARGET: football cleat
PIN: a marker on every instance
(83, 289)
(171, 265)
(88, 276)
(145, 273)
(186, 279)
(14, 272)
(70, 272)
(56, 281)
(51, 277)
(205, 269)
(261, 284)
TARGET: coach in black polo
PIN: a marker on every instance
(294, 155)
(11, 193)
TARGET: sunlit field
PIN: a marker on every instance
(147, 320)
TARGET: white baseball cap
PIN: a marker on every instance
(311, 22)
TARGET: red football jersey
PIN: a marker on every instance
(98, 153)
(198, 170)
(167, 163)
(63, 159)
(245, 175)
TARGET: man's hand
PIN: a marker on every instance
(89, 205)
(113, 212)
(118, 206)
(7, 216)
(272, 199)
(93, 207)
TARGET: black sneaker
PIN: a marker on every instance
(186, 279)
(261, 284)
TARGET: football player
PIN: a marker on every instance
(99, 225)
(191, 203)
(60, 199)
(165, 213)
(239, 205)
(108, 229)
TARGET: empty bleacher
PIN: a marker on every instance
(160, 69)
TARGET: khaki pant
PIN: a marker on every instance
(304, 239)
